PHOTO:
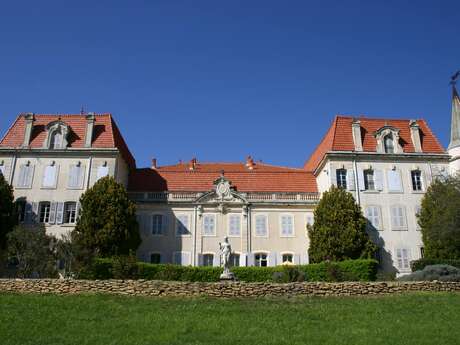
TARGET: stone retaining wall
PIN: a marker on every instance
(238, 289)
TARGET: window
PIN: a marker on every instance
(373, 216)
(234, 260)
(287, 258)
(402, 259)
(157, 224)
(155, 258)
(369, 180)
(287, 226)
(398, 218)
(208, 259)
(209, 225)
(234, 225)
(181, 258)
(394, 181)
(416, 176)
(182, 225)
(70, 212)
(49, 176)
(2, 170)
(102, 171)
(56, 139)
(341, 175)
(76, 176)
(422, 252)
(261, 225)
(25, 177)
(261, 260)
(44, 211)
(388, 143)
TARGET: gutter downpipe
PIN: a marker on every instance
(355, 168)
(13, 168)
(194, 235)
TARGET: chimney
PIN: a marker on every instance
(29, 120)
(415, 135)
(192, 164)
(356, 131)
(154, 164)
(250, 163)
(90, 119)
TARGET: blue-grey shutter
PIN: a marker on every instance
(351, 179)
(200, 259)
(52, 218)
(378, 174)
(361, 180)
(35, 212)
(60, 213)
(250, 259)
(272, 259)
(28, 213)
(216, 260)
(163, 258)
(165, 224)
(296, 259)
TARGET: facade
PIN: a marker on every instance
(185, 210)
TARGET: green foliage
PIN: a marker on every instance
(444, 273)
(339, 231)
(439, 219)
(124, 267)
(8, 217)
(349, 270)
(32, 250)
(418, 265)
(107, 224)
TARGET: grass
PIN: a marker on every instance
(422, 318)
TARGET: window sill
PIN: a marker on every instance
(372, 191)
(214, 235)
(395, 192)
(234, 236)
(287, 236)
(67, 225)
(182, 236)
(261, 236)
(405, 229)
(42, 187)
(418, 192)
(22, 187)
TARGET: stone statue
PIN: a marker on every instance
(226, 251)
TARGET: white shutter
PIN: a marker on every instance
(304, 259)
(350, 180)
(216, 260)
(60, 213)
(77, 210)
(243, 259)
(296, 259)
(200, 259)
(279, 258)
(185, 258)
(49, 176)
(102, 172)
(394, 215)
(2, 171)
(333, 176)
(361, 180)
(272, 259)
(251, 259)
(76, 176)
(22, 175)
(30, 176)
(394, 181)
(34, 216)
(378, 174)
(423, 180)
(52, 218)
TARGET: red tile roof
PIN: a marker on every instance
(262, 178)
(339, 137)
(105, 135)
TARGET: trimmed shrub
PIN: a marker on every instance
(350, 270)
(420, 264)
(434, 272)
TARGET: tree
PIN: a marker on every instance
(32, 250)
(439, 219)
(107, 224)
(8, 217)
(339, 230)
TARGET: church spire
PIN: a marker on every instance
(455, 122)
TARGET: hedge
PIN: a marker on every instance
(350, 270)
(418, 265)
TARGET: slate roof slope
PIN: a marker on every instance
(339, 137)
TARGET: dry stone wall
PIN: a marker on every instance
(228, 289)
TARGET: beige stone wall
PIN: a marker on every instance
(181, 289)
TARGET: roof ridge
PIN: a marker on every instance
(370, 118)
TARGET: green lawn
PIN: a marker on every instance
(428, 318)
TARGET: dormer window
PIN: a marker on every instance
(388, 144)
(56, 135)
(387, 138)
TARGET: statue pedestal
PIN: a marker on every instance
(227, 276)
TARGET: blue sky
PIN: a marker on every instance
(220, 80)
